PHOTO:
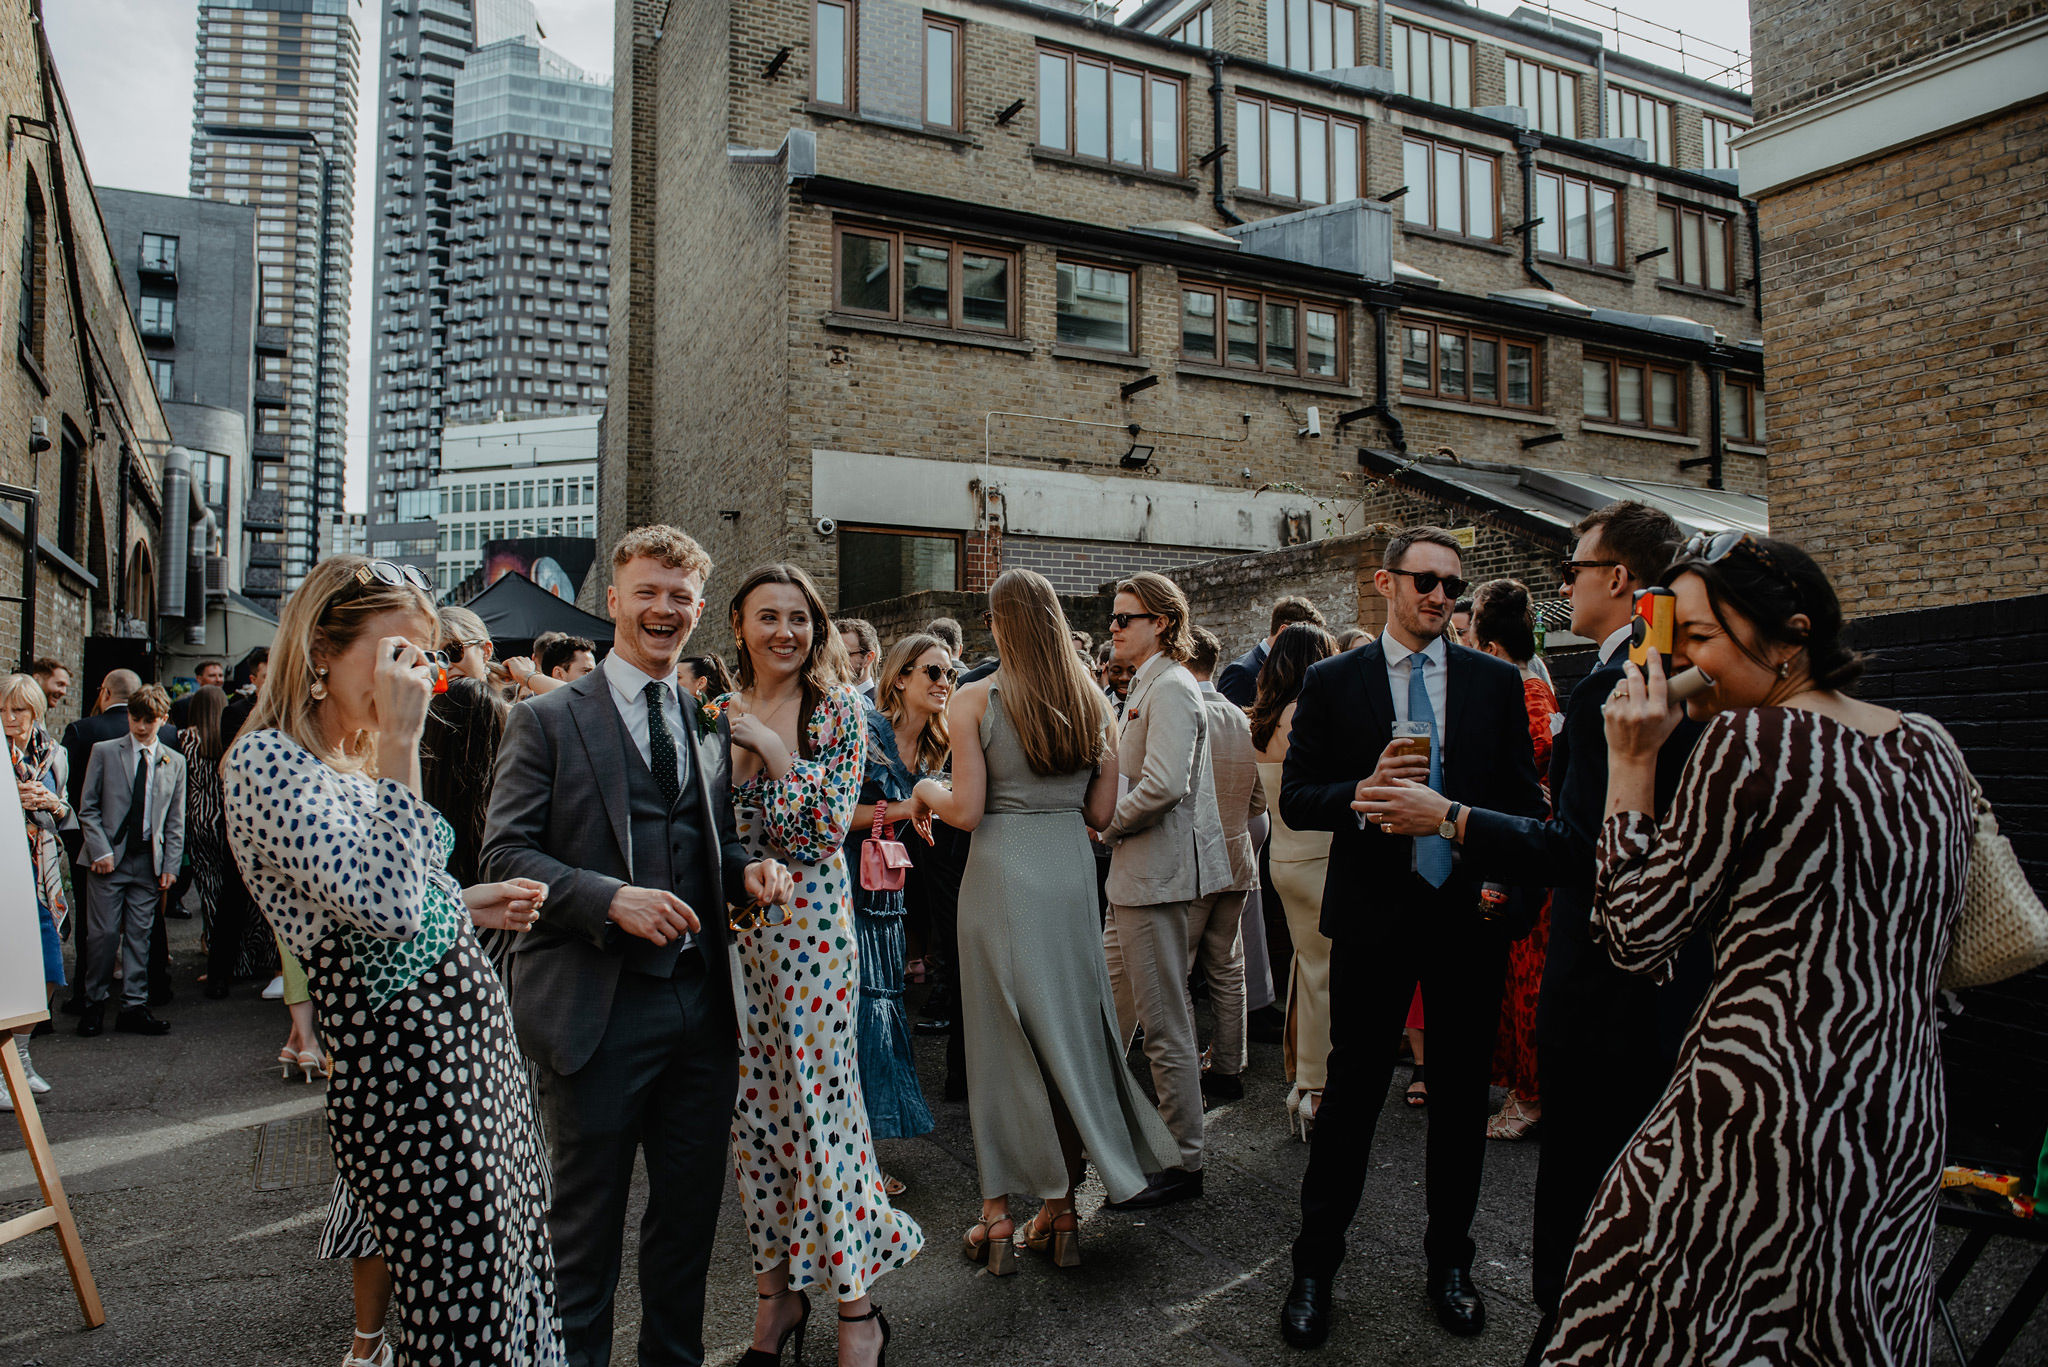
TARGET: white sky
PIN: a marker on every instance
(127, 67)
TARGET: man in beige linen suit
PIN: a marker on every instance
(1167, 856)
(1216, 926)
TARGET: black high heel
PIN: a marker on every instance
(881, 1353)
(792, 1336)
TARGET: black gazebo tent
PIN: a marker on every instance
(516, 610)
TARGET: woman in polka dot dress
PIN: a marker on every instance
(807, 1169)
(435, 1139)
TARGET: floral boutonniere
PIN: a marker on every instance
(707, 719)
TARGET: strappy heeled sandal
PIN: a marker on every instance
(1513, 1121)
(1000, 1255)
(875, 1313)
(1065, 1244)
(792, 1337)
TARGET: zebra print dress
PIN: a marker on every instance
(1778, 1204)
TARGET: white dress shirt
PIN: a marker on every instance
(1617, 640)
(1400, 662)
(153, 752)
(629, 694)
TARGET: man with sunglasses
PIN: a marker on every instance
(1400, 910)
(1606, 1041)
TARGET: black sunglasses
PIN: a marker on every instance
(391, 574)
(1120, 620)
(1568, 570)
(1428, 581)
(1710, 548)
(948, 674)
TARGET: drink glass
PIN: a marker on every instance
(1418, 736)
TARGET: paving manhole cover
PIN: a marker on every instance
(293, 1153)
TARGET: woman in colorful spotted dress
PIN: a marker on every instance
(430, 1111)
(808, 1174)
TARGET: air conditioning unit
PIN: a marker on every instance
(217, 576)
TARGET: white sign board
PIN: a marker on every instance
(23, 994)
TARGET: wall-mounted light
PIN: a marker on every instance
(1390, 196)
(1137, 458)
(775, 65)
(1138, 385)
(1209, 157)
(1652, 254)
(1354, 415)
(1015, 108)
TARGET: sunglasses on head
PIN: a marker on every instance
(936, 673)
(1429, 581)
(391, 574)
(1119, 620)
(1710, 548)
(754, 916)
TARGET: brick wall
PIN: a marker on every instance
(1905, 312)
(1082, 567)
(899, 617)
(1807, 50)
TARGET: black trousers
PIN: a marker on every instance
(1413, 933)
(662, 1081)
(230, 924)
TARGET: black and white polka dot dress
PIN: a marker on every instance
(432, 1120)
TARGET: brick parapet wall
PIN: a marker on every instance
(1806, 50)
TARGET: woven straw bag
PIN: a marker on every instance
(2002, 930)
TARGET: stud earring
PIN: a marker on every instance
(1784, 669)
(319, 688)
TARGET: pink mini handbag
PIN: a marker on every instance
(882, 860)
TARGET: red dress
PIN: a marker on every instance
(1514, 1051)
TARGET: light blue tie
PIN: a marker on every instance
(1432, 852)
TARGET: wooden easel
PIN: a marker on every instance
(56, 1211)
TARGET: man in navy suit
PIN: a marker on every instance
(1606, 1040)
(1400, 910)
(1239, 680)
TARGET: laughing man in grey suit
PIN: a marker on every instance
(610, 792)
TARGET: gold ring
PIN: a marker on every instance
(1388, 828)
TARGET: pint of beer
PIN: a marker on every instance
(1414, 738)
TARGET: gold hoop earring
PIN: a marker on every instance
(319, 688)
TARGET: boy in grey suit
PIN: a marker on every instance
(131, 813)
(1167, 856)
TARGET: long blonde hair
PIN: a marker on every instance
(935, 741)
(1059, 713)
(323, 618)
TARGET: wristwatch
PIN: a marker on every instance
(1449, 829)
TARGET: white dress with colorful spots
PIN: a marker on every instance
(806, 1164)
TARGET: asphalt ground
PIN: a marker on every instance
(204, 1255)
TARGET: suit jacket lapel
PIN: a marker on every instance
(1379, 693)
(709, 752)
(598, 722)
(1457, 682)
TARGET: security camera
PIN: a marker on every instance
(826, 526)
(1313, 425)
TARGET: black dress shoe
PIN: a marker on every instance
(177, 913)
(1223, 1086)
(1175, 1184)
(136, 1020)
(1456, 1301)
(1305, 1318)
(92, 1020)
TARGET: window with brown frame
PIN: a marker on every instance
(1742, 410)
(1550, 94)
(913, 277)
(1451, 189)
(1432, 66)
(1093, 307)
(1581, 219)
(880, 563)
(1111, 112)
(1198, 28)
(944, 71)
(1470, 365)
(1633, 393)
(1701, 247)
(1254, 330)
(1716, 134)
(1289, 152)
(1631, 114)
(29, 310)
(833, 23)
(1311, 35)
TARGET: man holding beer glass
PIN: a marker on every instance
(1398, 911)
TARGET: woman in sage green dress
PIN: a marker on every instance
(1046, 1074)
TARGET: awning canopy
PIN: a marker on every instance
(516, 610)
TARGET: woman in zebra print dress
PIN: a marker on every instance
(1778, 1205)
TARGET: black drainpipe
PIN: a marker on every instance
(1525, 155)
(1216, 102)
(1712, 460)
(1756, 256)
(1380, 408)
